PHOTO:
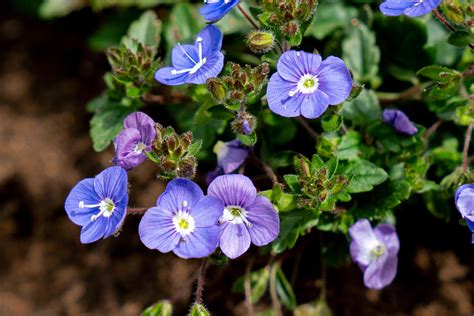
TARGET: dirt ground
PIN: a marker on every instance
(47, 75)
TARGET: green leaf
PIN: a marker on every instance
(199, 310)
(194, 148)
(437, 73)
(365, 175)
(293, 224)
(146, 30)
(162, 308)
(362, 54)
(284, 290)
(183, 25)
(460, 38)
(258, 283)
(329, 17)
(51, 9)
(364, 109)
(292, 181)
(350, 146)
(331, 123)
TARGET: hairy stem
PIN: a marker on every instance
(308, 128)
(200, 281)
(248, 290)
(467, 142)
(446, 23)
(468, 72)
(247, 16)
(136, 210)
(268, 170)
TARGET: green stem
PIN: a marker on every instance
(467, 142)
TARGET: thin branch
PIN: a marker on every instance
(308, 128)
(410, 93)
(136, 210)
(446, 23)
(467, 142)
(200, 281)
(468, 72)
(248, 289)
(268, 170)
(247, 16)
(432, 128)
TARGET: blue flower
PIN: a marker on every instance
(230, 155)
(214, 10)
(400, 122)
(464, 200)
(184, 221)
(195, 63)
(411, 8)
(99, 204)
(306, 85)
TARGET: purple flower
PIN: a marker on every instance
(230, 155)
(375, 251)
(400, 122)
(246, 127)
(411, 8)
(464, 200)
(214, 10)
(99, 204)
(184, 221)
(195, 63)
(305, 85)
(247, 217)
(134, 141)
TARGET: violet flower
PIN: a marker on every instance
(195, 63)
(464, 200)
(375, 251)
(214, 10)
(400, 122)
(134, 141)
(247, 217)
(306, 85)
(99, 204)
(230, 155)
(411, 8)
(184, 221)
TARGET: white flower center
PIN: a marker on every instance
(378, 250)
(106, 208)
(184, 222)
(307, 84)
(139, 148)
(235, 215)
(197, 65)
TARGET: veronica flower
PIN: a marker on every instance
(411, 8)
(99, 204)
(184, 221)
(134, 141)
(375, 251)
(400, 122)
(230, 155)
(214, 10)
(464, 200)
(247, 217)
(306, 85)
(195, 63)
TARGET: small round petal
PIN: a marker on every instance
(231, 156)
(265, 221)
(233, 189)
(363, 240)
(464, 200)
(165, 76)
(144, 124)
(400, 122)
(381, 272)
(94, 230)
(292, 65)
(314, 104)
(211, 40)
(386, 233)
(125, 143)
(207, 211)
(211, 69)
(278, 97)
(157, 230)
(184, 56)
(395, 7)
(234, 240)
(421, 8)
(200, 243)
(179, 193)
(83, 191)
(112, 183)
(213, 11)
(334, 80)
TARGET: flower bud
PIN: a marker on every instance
(217, 89)
(186, 167)
(244, 123)
(260, 42)
(172, 142)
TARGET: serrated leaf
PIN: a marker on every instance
(199, 310)
(194, 148)
(163, 308)
(146, 30)
(364, 176)
(361, 54)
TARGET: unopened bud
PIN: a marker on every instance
(260, 42)
(216, 87)
(244, 123)
(186, 167)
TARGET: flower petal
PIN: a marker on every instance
(233, 189)
(421, 8)
(144, 124)
(400, 122)
(386, 233)
(314, 104)
(381, 272)
(112, 183)
(177, 192)
(184, 56)
(464, 200)
(231, 156)
(395, 7)
(125, 144)
(234, 240)
(292, 65)
(83, 191)
(334, 80)
(363, 240)
(94, 230)
(157, 230)
(207, 211)
(265, 221)
(278, 97)
(200, 243)
(211, 69)
(165, 76)
(215, 11)
(211, 40)
(115, 221)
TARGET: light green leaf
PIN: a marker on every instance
(329, 17)
(162, 308)
(364, 109)
(284, 290)
(365, 175)
(146, 30)
(51, 9)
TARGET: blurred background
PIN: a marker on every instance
(49, 70)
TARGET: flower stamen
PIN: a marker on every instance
(106, 208)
